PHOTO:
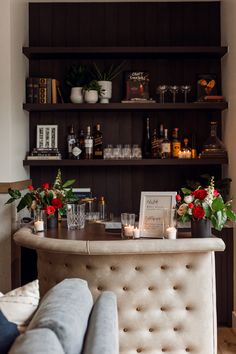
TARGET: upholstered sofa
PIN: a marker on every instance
(165, 288)
(67, 322)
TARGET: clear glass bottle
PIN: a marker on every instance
(165, 146)
(102, 208)
(146, 148)
(213, 146)
(88, 142)
(71, 139)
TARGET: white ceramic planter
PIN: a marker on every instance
(76, 95)
(91, 96)
(106, 87)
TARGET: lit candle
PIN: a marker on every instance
(128, 230)
(39, 225)
(136, 233)
(171, 233)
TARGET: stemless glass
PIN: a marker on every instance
(174, 90)
(75, 216)
(185, 89)
(127, 225)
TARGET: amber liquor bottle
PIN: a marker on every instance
(97, 143)
(88, 142)
(155, 145)
(146, 146)
(175, 144)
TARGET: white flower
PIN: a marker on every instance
(182, 209)
(188, 199)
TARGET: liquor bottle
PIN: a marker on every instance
(154, 145)
(194, 150)
(213, 146)
(185, 152)
(97, 143)
(71, 139)
(102, 208)
(76, 151)
(175, 144)
(146, 148)
(88, 142)
(160, 139)
(165, 146)
(82, 144)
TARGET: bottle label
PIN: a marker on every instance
(98, 141)
(71, 142)
(76, 151)
(176, 146)
(165, 147)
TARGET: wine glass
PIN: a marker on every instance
(162, 89)
(185, 89)
(174, 89)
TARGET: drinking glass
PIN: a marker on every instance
(39, 220)
(185, 89)
(75, 216)
(162, 89)
(126, 151)
(170, 223)
(174, 90)
(136, 152)
(127, 225)
(108, 152)
(117, 152)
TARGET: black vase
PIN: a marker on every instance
(52, 221)
(201, 228)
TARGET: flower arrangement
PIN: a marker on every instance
(48, 198)
(204, 203)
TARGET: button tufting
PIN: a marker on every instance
(187, 349)
(112, 268)
(175, 329)
(138, 308)
(137, 268)
(163, 350)
(125, 288)
(88, 266)
(151, 329)
(188, 266)
(100, 288)
(66, 265)
(163, 308)
(187, 308)
(139, 350)
(163, 267)
(125, 329)
(175, 287)
(150, 288)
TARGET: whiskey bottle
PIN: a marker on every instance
(88, 142)
(146, 148)
(97, 143)
(165, 146)
(160, 139)
(175, 144)
(71, 139)
(82, 144)
(154, 145)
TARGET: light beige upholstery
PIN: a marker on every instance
(165, 288)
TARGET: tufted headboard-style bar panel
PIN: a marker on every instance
(165, 288)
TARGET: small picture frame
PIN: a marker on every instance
(206, 86)
(153, 208)
(47, 136)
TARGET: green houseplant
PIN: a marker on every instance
(76, 78)
(91, 91)
(105, 77)
(203, 204)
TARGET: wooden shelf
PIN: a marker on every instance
(144, 162)
(183, 51)
(125, 106)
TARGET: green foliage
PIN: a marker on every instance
(76, 75)
(93, 85)
(108, 74)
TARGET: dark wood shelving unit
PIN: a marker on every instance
(163, 51)
(125, 106)
(147, 162)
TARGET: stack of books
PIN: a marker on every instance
(44, 154)
(43, 90)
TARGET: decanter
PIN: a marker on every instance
(213, 146)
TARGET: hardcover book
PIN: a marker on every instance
(137, 85)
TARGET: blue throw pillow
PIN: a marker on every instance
(8, 333)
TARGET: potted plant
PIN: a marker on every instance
(76, 78)
(203, 207)
(91, 91)
(105, 77)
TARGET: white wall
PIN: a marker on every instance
(228, 17)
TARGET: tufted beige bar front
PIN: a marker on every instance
(165, 288)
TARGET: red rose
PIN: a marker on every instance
(178, 198)
(216, 193)
(45, 185)
(30, 187)
(50, 210)
(56, 202)
(190, 205)
(198, 212)
(200, 194)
